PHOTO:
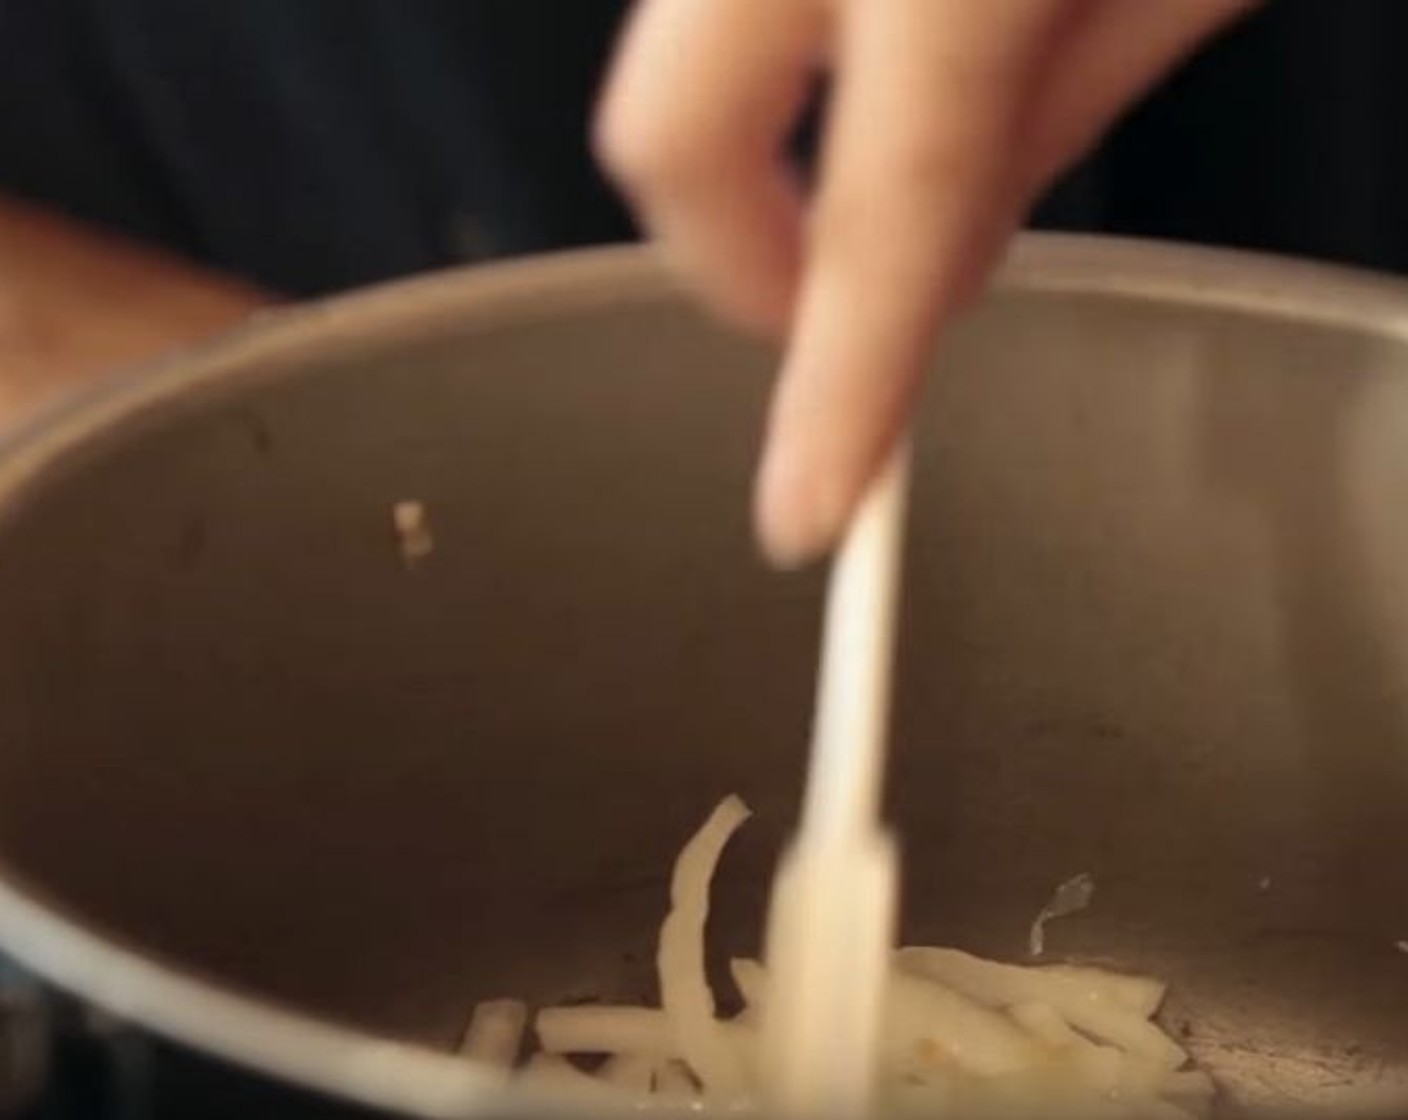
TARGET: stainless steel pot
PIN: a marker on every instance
(269, 789)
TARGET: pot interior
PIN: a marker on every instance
(1155, 629)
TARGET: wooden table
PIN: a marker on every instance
(76, 303)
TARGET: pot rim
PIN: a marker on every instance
(178, 1004)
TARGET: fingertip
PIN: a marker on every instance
(800, 507)
(691, 128)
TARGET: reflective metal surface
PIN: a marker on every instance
(269, 789)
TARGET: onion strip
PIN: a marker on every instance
(961, 1036)
(1061, 986)
(597, 1029)
(684, 986)
(495, 1033)
(1089, 1007)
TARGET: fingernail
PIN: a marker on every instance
(799, 514)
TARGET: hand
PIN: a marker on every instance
(949, 117)
(76, 302)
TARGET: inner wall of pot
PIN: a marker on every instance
(1153, 631)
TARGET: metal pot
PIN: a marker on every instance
(278, 787)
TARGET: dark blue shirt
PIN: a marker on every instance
(316, 144)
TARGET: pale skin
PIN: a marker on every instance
(948, 119)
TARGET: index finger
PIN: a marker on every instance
(692, 125)
(916, 193)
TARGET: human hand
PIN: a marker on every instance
(77, 302)
(949, 117)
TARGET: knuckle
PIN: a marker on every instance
(648, 152)
(905, 180)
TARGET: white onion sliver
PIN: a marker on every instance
(1070, 897)
(673, 1083)
(631, 1073)
(1131, 1033)
(751, 980)
(1188, 1085)
(963, 1036)
(1004, 985)
(1090, 1009)
(928, 1025)
(495, 1032)
(1142, 995)
(1157, 1109)
(1044, 1023)
(553, 1073)
(599, 1029)
(1105, 1069)
(684, 986)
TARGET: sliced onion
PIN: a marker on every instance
(1165, 1110)
(1044, 1023)
(630, 1073)
(1132, 1033)
(495, 1032)
(1141, 995)
(674, 1084)
(1061, 986)
(929, 1028)
(684, 987)
(1069, 898)
(1189, 1085)
(1108, 1070)
(751, 979)
(553, 1073)
(1090, 1008)
(962, 1036)
(605, 1030)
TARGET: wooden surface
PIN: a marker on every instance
(76, 303)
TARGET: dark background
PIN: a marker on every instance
(311, 145)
